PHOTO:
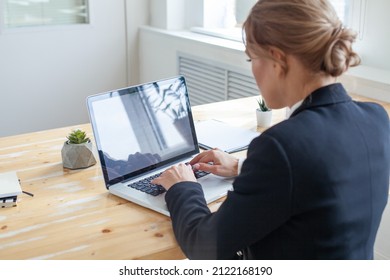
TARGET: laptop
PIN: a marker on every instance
(142, 130)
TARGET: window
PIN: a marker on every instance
(18, 13)
(242, 9)
(224, 18)
(342, 8)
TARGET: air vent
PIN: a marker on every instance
(209, 81)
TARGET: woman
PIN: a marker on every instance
(313, 186)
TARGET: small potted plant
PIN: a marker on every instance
(77, 151)
(263, 114)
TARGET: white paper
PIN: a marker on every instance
(215, 134)
(9, 184)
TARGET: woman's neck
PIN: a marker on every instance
(301, 83)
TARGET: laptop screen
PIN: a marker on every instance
(142, 128)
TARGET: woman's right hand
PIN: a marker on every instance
(216, 162)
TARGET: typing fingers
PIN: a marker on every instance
(175, 174)
(207, 156)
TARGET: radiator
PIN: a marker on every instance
(212, 81)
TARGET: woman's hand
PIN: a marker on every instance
(214, 161)
(217, 162)
(175, 174)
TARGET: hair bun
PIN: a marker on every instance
(339, 55)
(309, 30)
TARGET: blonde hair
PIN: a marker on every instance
(307, 29)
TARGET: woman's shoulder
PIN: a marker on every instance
(277, 134)
(373, 107)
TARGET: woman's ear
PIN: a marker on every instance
(280, 60)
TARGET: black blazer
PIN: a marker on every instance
(312, 187)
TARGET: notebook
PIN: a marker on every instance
(9, 189)
(142, 130)
(216, 134)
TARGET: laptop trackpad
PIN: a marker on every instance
(215, 187)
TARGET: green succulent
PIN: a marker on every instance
(262, 106)
(77, 137)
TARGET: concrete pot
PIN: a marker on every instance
(264, 118)
(76, 156)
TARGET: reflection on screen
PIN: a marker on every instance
(142, 126)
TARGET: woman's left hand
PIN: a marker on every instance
(175, 174)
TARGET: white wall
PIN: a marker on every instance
(374, 42)
(177, 14)
(46, 73)
(137, 14)
(168, 14)
(159, 48)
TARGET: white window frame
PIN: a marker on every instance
(355, 19)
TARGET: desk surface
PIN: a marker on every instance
(72, 216)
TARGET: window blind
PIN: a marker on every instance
(44, 12)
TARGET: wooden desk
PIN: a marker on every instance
(72, 216)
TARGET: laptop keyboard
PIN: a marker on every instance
(146, 186)
(200, 174)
